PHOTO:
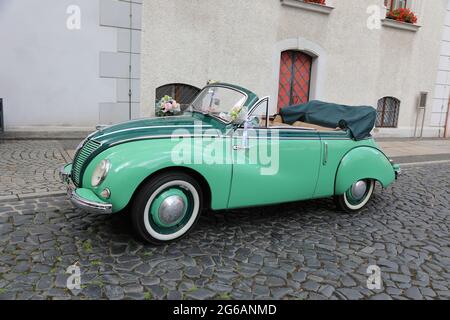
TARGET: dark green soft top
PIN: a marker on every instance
(359, 120)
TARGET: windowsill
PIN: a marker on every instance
(400, 25)
(307, 6)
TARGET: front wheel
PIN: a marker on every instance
(357, 196)
(166, 208)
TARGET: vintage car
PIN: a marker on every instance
(225, 152)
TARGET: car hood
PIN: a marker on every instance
(192, 124)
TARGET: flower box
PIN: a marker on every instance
(400, 25)
(402, 15)
(320, 6)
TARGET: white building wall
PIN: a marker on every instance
(240, 42)
(55, 78)
(441, 93)
(122, 64)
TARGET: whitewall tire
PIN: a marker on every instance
(357, 196)
(167, 207)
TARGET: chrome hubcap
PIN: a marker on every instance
(171, 210)
(359, 190)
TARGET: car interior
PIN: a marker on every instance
(277, 121)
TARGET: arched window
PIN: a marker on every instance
(295, 78)
(184, 94)
(387, 112)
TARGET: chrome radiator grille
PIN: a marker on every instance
(89, 148)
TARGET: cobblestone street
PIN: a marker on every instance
(30, 168)
(305, 250)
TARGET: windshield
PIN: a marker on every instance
(224, 103)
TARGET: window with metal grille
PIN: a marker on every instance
(392, 5)
(184, 94)
(387, 112)
(295, 78)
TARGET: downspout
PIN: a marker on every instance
(130, 62)
(447, 121)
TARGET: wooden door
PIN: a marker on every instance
(295, 78)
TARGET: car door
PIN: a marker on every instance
(275, 164)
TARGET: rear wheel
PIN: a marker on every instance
(357, 197)
(167, 208)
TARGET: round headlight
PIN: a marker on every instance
(100, 173)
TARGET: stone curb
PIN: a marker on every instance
(9, 198)
(424, 163)
(386, 139)
(45, 135)
(38, 195)
(427, 158)
(41, 195)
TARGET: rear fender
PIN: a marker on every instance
(363, 163)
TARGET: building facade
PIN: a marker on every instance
(440, 109)
(344, 51)
(72, 64)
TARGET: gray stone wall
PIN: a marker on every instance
(241, 42)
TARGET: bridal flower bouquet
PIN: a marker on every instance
(167, 106)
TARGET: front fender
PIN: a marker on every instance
(133, 162)
(363, 163)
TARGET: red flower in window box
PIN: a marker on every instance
(321, 2)
(402, 15)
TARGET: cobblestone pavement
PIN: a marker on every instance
(30, 168)
(304, 250)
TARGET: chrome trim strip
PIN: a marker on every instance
(231, 133)
(284, 138)
(213, 136)
(166, 137)
(154, 127)
(297, 129)
(138, 120)
(294, 129)
(333, 139)
(325, 155)
(285, 129)
(88, 206)
(91, 135)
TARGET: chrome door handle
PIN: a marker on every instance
(237, 148)
(325, 153)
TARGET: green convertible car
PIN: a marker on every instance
(226, 151)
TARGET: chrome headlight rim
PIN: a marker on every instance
(100, 173)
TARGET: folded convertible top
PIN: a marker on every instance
(359, 120)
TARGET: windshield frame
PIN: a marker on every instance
(222, 86)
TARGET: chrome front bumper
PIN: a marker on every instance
(64, 175)
(397, 170)
(84, 204)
